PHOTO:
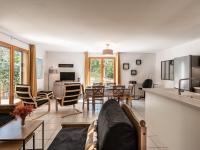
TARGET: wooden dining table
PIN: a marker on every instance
(108, 92)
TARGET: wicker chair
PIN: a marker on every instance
(71, 95)
(24, 93)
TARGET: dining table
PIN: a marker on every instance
(108, 93)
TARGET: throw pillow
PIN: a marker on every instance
(91, 141)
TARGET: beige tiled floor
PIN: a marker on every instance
(53, 122)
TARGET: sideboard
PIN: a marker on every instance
(58, 87)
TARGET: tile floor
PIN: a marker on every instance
(53, 122)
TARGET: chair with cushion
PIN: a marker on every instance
(148, 83)
(71, 95)
(49, 94)
(24, 93)
(117, 128)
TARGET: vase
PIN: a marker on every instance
(23, 121)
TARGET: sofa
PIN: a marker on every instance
(117, 128)
(5, 116)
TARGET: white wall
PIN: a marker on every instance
(55, 58)
(144, 71)
(191, 48)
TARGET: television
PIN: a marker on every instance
(66, 76)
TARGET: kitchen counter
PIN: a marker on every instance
(186, 97)
(173, 118)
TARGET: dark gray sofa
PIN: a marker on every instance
(117, 129)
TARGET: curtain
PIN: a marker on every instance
(33, 78)
(118, 71)
(86, 69)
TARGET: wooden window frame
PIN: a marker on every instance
(102, 67)
(12, 49)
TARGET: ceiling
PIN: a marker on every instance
(80, 25)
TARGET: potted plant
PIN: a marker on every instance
(22, 111)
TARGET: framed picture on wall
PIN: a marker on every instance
(138, 62)
(133, 72)
(125, 66)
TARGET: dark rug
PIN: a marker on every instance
(4, 119)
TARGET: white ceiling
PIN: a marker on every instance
(80, 25)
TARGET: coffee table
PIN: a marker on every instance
(13, 132)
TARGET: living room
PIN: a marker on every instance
(142, 65)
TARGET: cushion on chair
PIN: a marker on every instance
(49, 93)
(41, 102)
(70, 139)
(115, 131)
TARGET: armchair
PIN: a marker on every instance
(24, 93)
(71, 95)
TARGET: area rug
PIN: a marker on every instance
(4, 119)
(67, 112)
(62, 113)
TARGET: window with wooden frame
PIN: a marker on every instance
(14, 69)
(102, 70)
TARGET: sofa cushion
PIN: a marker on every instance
(91, 142)
(70, 139)
(115, 131)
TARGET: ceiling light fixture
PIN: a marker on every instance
(107, 51)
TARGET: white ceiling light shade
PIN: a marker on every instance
(107, 51)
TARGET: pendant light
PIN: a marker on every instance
(107, 51)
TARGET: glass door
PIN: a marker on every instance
(108, 70)
(95, 70)
(4, 74)
(102, 70)
(20, 69)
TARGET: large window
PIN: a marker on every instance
(102, 69)
(4, 73)
(14, 63)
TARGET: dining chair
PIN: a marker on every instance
(97, 94)
(132, 95)
(118, 92)
(85, 97)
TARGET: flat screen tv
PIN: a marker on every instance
(66, 76)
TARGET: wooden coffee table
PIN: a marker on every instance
(13, 134)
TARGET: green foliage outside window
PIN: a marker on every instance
(5, 70)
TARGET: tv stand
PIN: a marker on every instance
(58, 87)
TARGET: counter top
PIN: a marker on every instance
(189, 98)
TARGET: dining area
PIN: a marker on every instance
(99, 93)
